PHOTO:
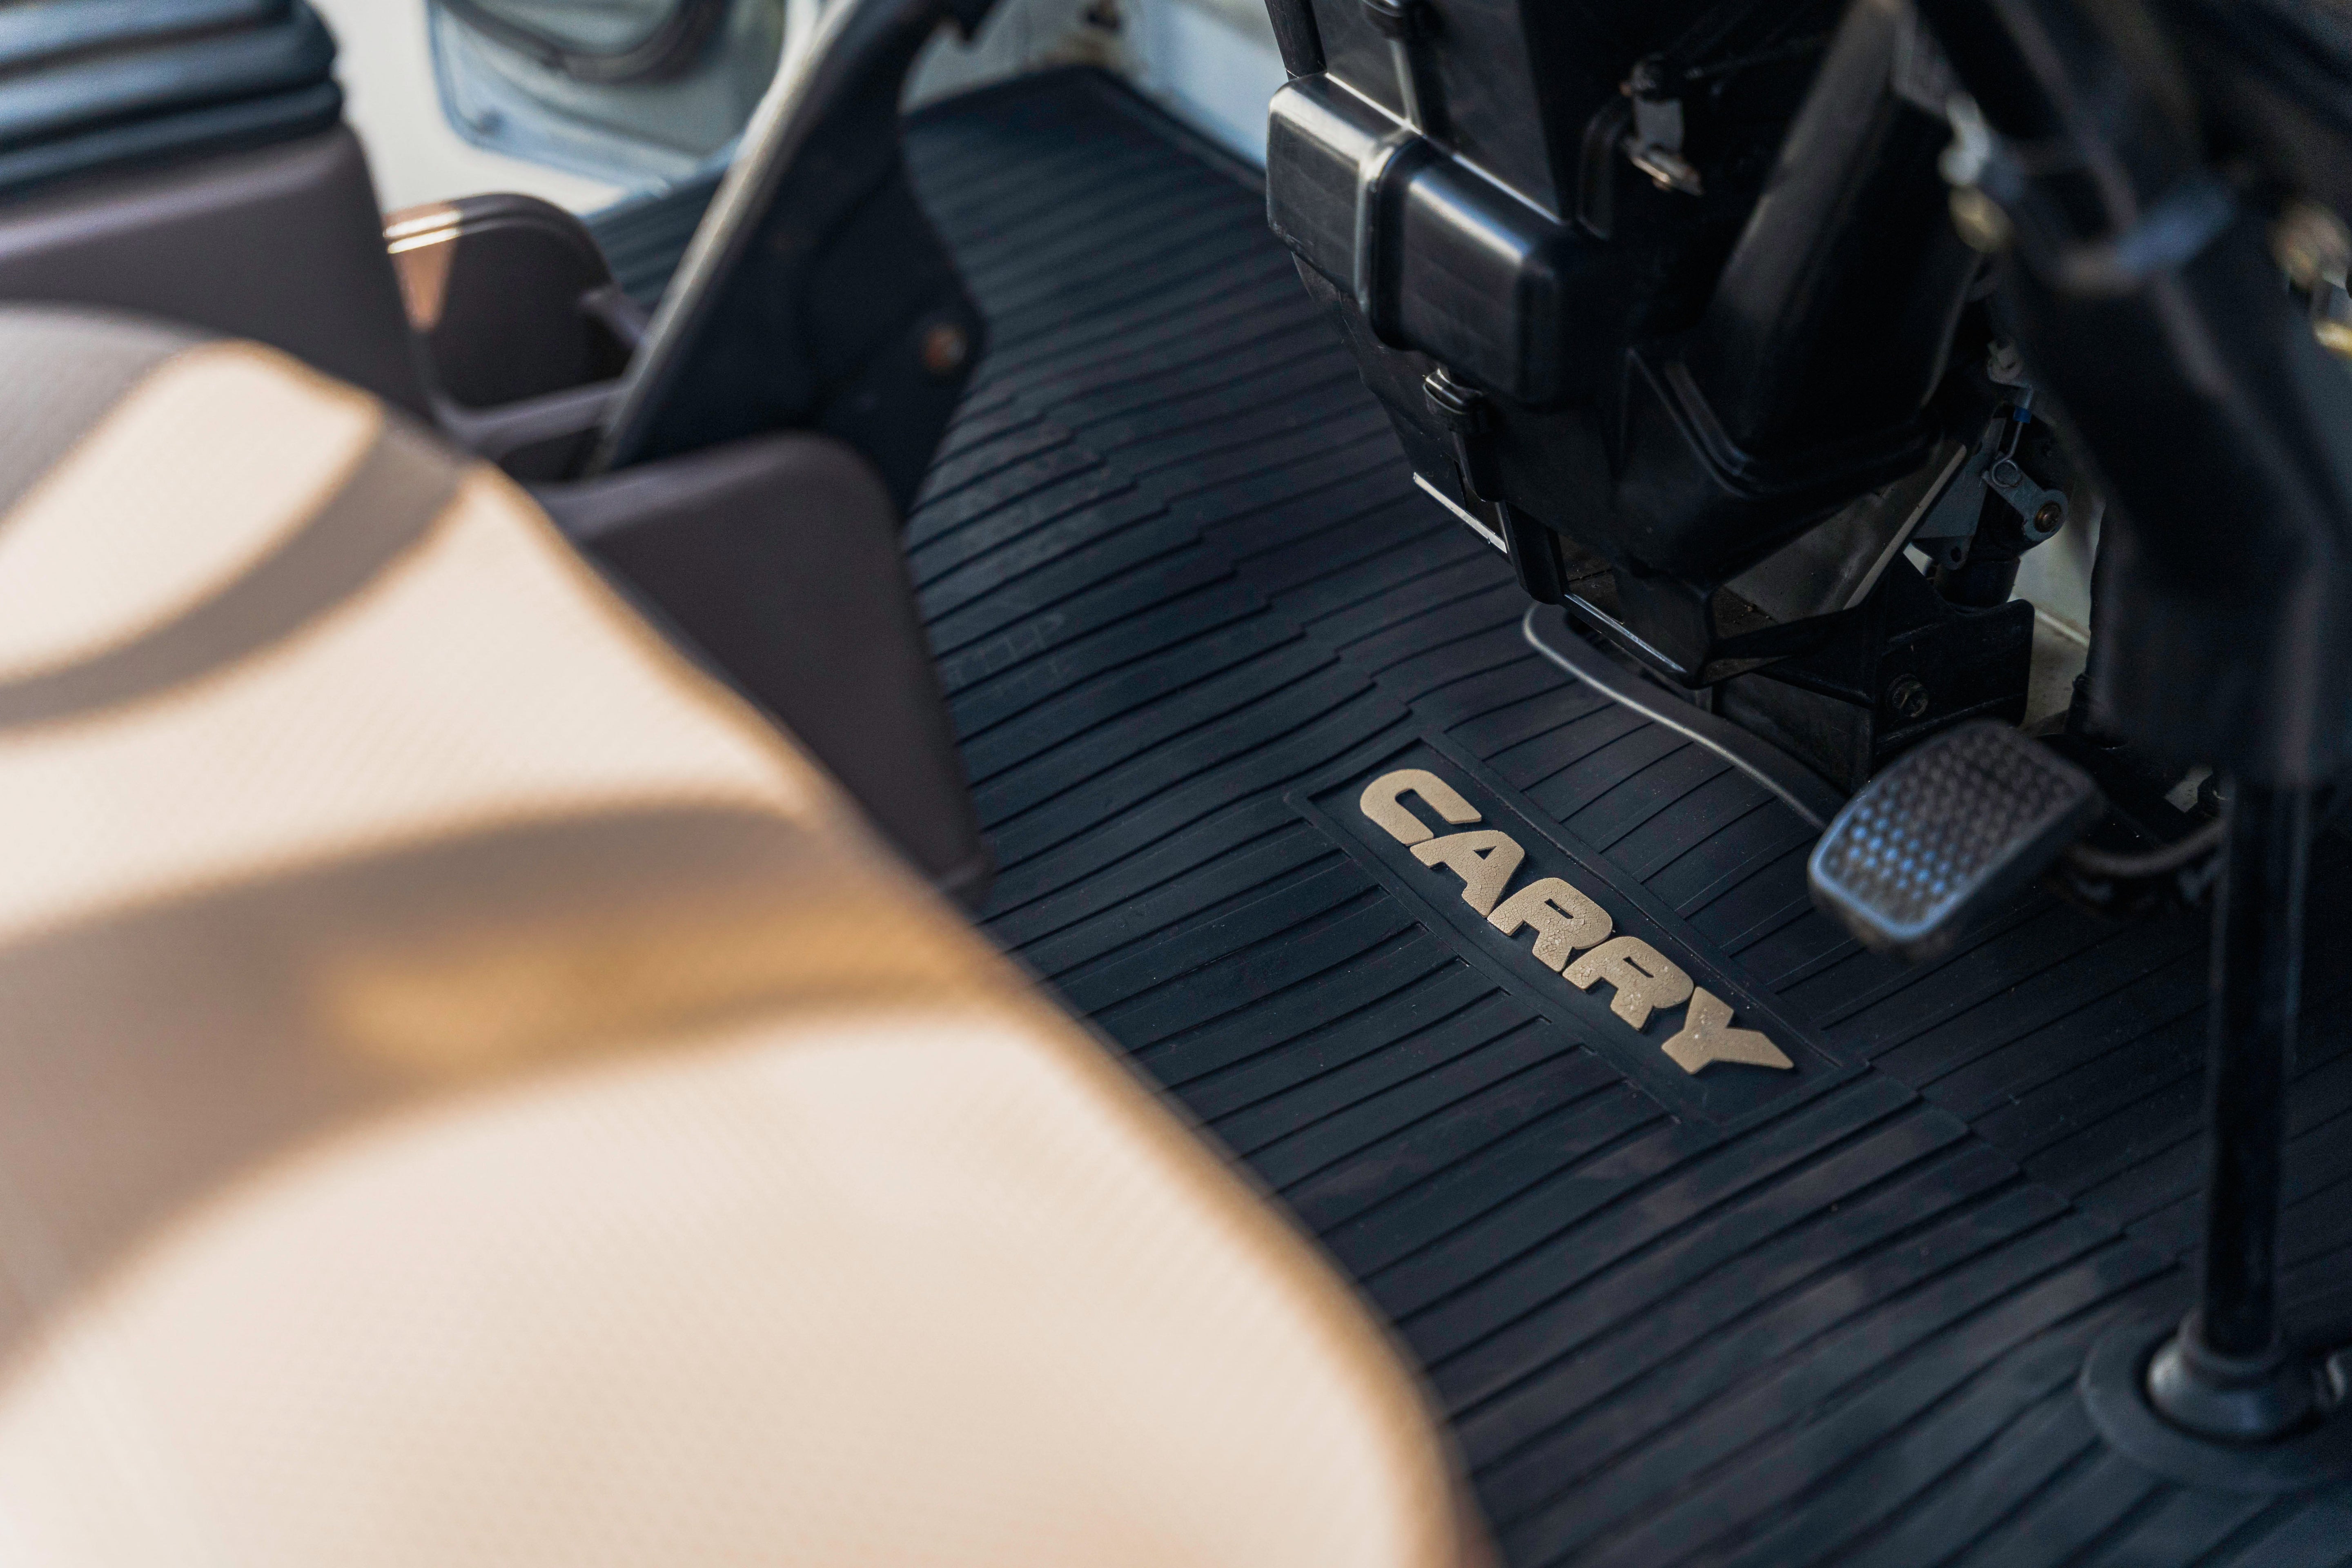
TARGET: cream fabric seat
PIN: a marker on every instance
(470, 1092)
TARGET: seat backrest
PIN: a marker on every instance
(88, 87)
(186, 159)
(474, 1092)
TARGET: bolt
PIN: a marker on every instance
(945, 347)
(2310, 245)
(1981, 225)
(1908, 697)
(1457, 407)
(2048, 516)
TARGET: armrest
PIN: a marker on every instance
(777, 560)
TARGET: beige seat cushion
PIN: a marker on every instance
(470, 1092)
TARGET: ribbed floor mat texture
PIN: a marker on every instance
(1188, 606)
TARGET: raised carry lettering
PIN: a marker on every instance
(1564, 918)
(1708, 1038)
(1383, 802)
(1483, 859)
(1644, 978)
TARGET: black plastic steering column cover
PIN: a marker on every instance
(816, 293)
(2222, 429)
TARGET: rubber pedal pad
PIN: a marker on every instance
(1947, 834)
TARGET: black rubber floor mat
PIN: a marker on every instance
(1188, 606)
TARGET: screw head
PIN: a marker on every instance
(1908, 697)
(945, 348)
(1457, 407)
(2310, 245)
(2048, 516)
(1981, 225)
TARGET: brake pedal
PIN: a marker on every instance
(1946, 834)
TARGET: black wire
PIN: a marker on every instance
(2109, 865)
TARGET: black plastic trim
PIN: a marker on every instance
(670, 47)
